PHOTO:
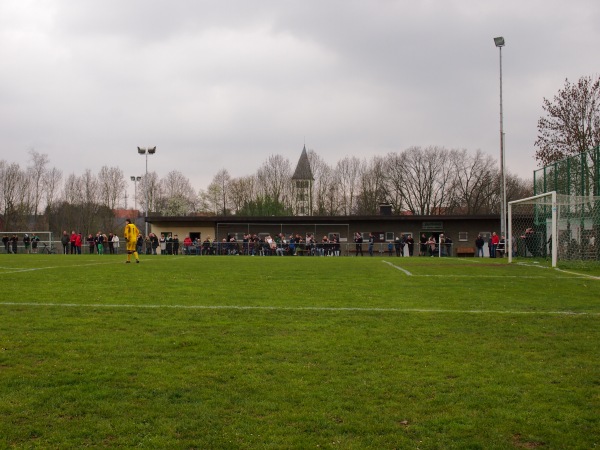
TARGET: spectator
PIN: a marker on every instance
(423, 245)
(495, 240)
(154, 243)
(78, 243)
(139, 243)
(163, 244)
(336, 245)
(64, 240)
(410, 242)
(206, 245)
(479, 242)
(100, 243)
(34, 243)
(281, 242)
(399, 245)
(111, 248)
(175, 245)
(115, 241)
(169, 246)
(187, 244)
(91, 243)
(358, 239)
(448, 246)
(72, 240)
(431, 243)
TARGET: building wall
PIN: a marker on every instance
(462, 230)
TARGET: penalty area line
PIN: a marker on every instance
(299, 308)
(406, 272)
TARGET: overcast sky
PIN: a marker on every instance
(226, 84)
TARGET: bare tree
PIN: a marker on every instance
(348, 171)
(427, 181)
(222, 178)
(36, 173)
(12, 180)
(112, 185)
(241, 191)
(274, 179)
(178, 197)
(372, 188)
(149, 192)
(473, 174)
(396, 166)
(324, 186)
(51, 186)
(572, 122)
(212, 197)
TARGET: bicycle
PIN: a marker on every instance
(48, 249)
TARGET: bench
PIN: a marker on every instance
(465, 252)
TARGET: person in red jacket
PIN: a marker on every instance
(494, 247)
(78, 242)
(72, 240)
(187, 244)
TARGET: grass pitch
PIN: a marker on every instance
(296, 352)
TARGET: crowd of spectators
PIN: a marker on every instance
(11, 243)
(264, 245)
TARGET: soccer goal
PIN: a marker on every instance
(559, 228)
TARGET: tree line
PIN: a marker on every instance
(418, 181)
(423, 181)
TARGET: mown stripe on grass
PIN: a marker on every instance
(297, 308)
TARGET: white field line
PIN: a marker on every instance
(579, 275)
(525, 277)
(298, 308)
(406, 272)
(11, 270)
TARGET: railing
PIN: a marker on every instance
(240, 248)
(319, 249)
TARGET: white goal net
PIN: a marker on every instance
(561, 229)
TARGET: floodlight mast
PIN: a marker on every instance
(499, 42)
(146, 151)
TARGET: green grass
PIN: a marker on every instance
(241, 352)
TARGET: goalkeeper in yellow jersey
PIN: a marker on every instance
(131, 234)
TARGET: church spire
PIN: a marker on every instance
(303, 170)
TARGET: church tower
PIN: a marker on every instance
(302, 185)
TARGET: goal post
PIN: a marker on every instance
(562, 228)
(533, 211)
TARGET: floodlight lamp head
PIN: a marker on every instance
(152, 150)
(132, 178)
(499, 41)
(141, 150)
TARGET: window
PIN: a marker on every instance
(433, 226)
(463, 236)
(389, 236)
